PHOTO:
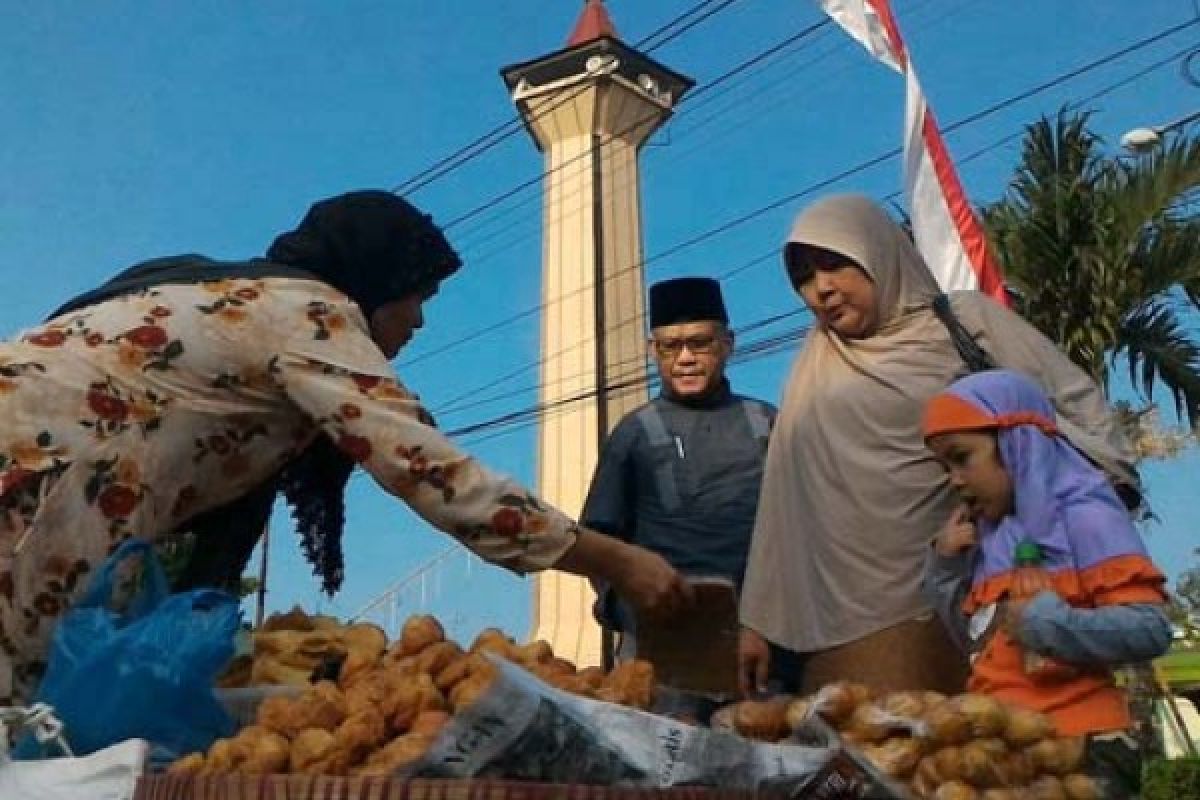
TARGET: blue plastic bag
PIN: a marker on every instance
(146, 672)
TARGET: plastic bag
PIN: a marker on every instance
(109, 774)
(146, 672)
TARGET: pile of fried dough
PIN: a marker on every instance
(389, 701)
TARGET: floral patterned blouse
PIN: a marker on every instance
(127, 417)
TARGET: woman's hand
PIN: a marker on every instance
(754, 661)
(641, 577)
(958, 534)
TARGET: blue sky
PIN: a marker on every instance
(139, 129)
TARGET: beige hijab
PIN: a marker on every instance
(851, 497)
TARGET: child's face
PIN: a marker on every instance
(972, 458)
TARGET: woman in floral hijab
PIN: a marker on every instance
(185, 393)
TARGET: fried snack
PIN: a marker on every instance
(947, 725)
(1018, 769)
(269, 672)
(930, 775)
(360, 735)
(322, 706)
(987, 716)
(191, 764)
(870, 724)
(311, 750)
(1081, 787)
(460, 669)
(237, 674)
(413, 695)
(419, 632)
(294, 620)
(470, 690)
(1047, 787)
(371, 690)
(896, 757)
(538, 652)
(561, 666)
(904, 704)
(764, 721)
(223, 756)
(955, 790)
(261, 751)
(437, 657)
(1060, 756)
(798, 712)
(592, 677)
(1026, 727)
(1001, 794)
(632, 683)
(492, 640)
(981, 762)
(430, 723)
(572, 684)
(837, 701)
(395, 755)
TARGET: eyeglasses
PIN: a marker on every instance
(701, 344)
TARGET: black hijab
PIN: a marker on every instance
(376, 248)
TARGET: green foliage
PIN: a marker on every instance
(1171, 780)
(1103, 254)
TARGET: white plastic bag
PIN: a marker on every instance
(108, 774)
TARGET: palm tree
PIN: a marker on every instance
(1102, 254)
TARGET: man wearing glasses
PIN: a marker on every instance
(680, 476)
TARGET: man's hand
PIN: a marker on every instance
(958, 534)
(754, 661)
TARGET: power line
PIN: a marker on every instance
(525, 417)
(817, 186)
(506, 130)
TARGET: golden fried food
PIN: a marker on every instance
(798, 711)
(360, 735)
(269, 672)
(223, 756)
(955, 790)
(837, 701)
(982, 761)
(413, 695)
(869, 723)
(1060, 756)
(311, 751)
(537, 652)
(401, 752)
(419, 632)
(493, 640)
(904, 704)
(261, 751)
(947, 725)
(437, 657)
(632, 682)
(896, 757)
(468, 691)
(1081, 787)
(294, 620)
(986, 715)
(1027, 727)
(1047, 787)
(191, 764)
(593, 677)
(237, 674)
(430, 723)
(322, 706)
(460, 669)
(764, 721)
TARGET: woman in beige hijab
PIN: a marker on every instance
(851, 498)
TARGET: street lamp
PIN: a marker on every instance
(1140, 140)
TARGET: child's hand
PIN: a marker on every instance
(957, 535)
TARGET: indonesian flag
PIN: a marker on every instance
(947, 233)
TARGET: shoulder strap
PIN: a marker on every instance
(760, 423)
(654, 426)
(975, 357)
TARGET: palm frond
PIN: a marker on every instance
(1159, 349)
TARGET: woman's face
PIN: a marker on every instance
(838, 291)
(393, 324)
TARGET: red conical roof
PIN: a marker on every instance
(593, 23)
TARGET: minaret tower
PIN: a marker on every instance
(589, 108)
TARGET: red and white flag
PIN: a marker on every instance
(944, 225)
